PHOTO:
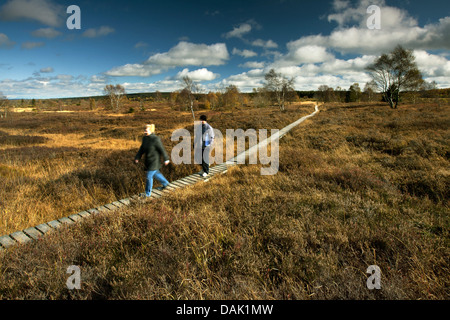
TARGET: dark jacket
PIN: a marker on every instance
(153, 149)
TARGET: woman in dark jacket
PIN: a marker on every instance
(153, 149)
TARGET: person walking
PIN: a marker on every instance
(207, 142)
(153, 150)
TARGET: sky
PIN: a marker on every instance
(149, 46)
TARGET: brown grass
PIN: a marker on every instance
(356, 187)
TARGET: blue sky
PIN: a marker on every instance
(150, 45)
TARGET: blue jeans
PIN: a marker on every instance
(149, 182)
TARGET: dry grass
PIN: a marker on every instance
(357, 186)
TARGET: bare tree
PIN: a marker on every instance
(115, 94)
(4, 105)
(369, 90)
(395, 72)
(189, 89)
(279, 85)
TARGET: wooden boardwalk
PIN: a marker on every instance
(34, 233)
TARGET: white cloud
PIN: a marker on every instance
(186, 53)
(5, 43)
(48, 33)
(183, 54)
(397, 27)
(432, 65)
(43, 11)
(305, 54)
(269, 44)
(99, 79)
(47, 70)
(31, 45)
(197, 75)
(245, 81)
(98, 32)
(134, 70)
(140, 44)
(238, 32)
(244, 53)
(253, 65)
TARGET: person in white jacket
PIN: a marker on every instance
(207, 142)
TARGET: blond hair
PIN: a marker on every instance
(150, 128)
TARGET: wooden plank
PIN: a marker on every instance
(195, 177)
(179, 183)
(7, 241)
(84, 214)
(55, 224)
(33, 233)
(155, 195)
(20, 237)
(110, 206)
(75, 217)
(66, 220)
(126, 201)
(159, 193)
(102, 209)
(44, 228)
(118, 204)
(93, 211)
(191, 181)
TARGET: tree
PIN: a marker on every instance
(354, 93)
(4, 105)
(212, 99)
(326, 94)
(261, 97)
(115, 94)
(158, 96)
(395, 72)
(279, 86)
(369, 90)
(232, 97)
(189, 89)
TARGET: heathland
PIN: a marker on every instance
(358, 185)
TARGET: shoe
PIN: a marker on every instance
(161, 188)
(204, 174)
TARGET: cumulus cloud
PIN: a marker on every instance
(244, 53)
(305, 54)
(186, 53)
(32, 45)
(43, 11)
(431, 65)
(183, 54)
(5, 42)
(48, 33)
(140, 44)
(252, 65)
(202, 74)
(239, 31)
(268, 44)
(397, 27)
(134, 70)
(98, 32)
(47, 70)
